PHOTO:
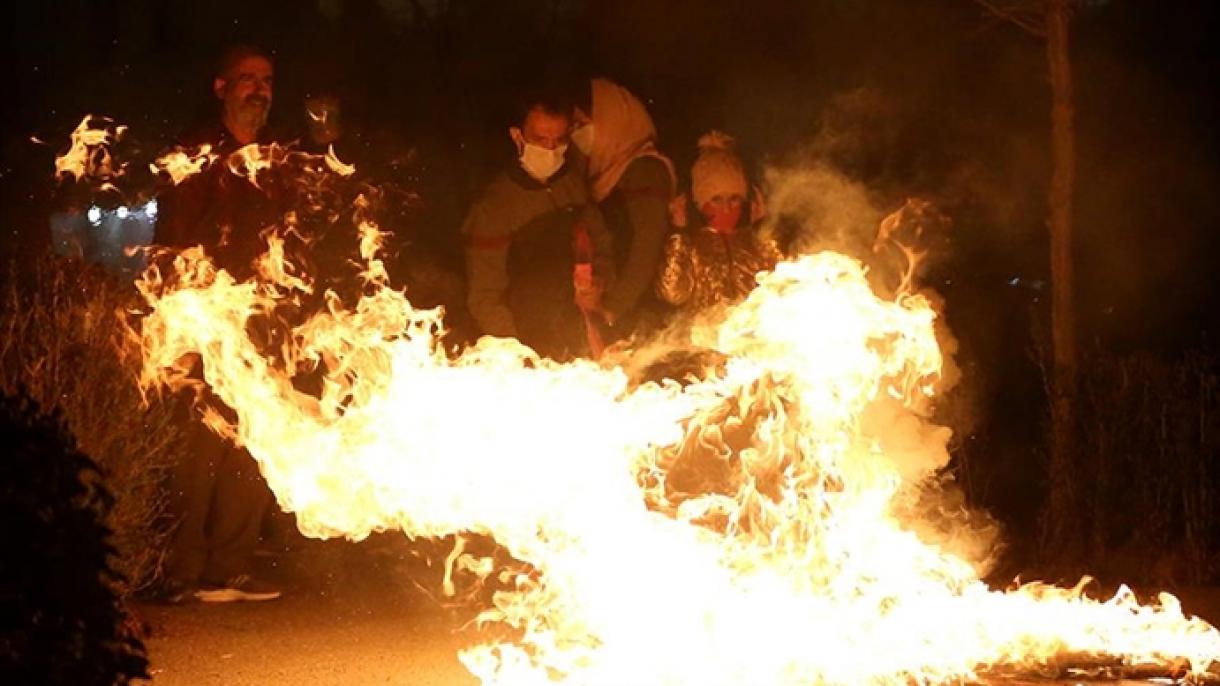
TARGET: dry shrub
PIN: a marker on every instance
(61, 340)
(1149, 431)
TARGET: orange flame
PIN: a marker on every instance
(251, 159)
(89, 156)
(789, 566)
(182, 164)
(336, 165)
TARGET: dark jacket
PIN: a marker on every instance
(520, 257)
(637, 215)
(218, 209)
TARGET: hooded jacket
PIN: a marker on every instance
(633, 184)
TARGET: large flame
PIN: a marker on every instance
(737, 526)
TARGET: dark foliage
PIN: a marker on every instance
(62, 619)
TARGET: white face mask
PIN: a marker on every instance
(582, 138)
(541, 163)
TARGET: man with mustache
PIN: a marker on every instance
(221, 210)
(245, 89)
(216, 492)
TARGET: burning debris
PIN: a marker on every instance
(789, 565)
(748, 522)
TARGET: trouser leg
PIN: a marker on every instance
(240, 501)
(192, 483)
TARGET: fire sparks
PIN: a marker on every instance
(737, 526)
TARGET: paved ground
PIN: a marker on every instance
(302, 640)
(349, 618)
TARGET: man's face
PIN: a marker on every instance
(544, 129)
(246, 91)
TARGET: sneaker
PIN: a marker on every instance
(240, 587)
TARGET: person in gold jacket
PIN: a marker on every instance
(717, 260)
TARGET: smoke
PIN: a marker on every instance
(817, 202)
(817, 208)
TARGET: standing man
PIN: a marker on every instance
(217, 493)
(218, 209)
(538, 255)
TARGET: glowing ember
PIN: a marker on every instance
(742, 528)
(336, 165)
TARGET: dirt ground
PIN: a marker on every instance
(351, 614)
(348, 618)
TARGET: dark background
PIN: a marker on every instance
(929, 97)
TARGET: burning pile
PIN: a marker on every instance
(737, 526)
(761, 520)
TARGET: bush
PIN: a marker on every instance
(61, 340)
(64, 622)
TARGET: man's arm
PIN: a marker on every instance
(182, 212)
(646, 192)
(487, 274)
(603, 243)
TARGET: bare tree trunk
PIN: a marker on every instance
(1062, 530)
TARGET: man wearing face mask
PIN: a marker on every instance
(537, 250)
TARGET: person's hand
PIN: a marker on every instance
(589, 300)
(587, 288)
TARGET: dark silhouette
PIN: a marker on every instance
(62, 619)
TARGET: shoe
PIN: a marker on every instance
(240, 587)
(174, 592)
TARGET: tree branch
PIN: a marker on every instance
(1032, 21)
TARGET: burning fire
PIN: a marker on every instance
(89, 155)
(738, 526)
(250, 160)
(337, 165)
(182, 164)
